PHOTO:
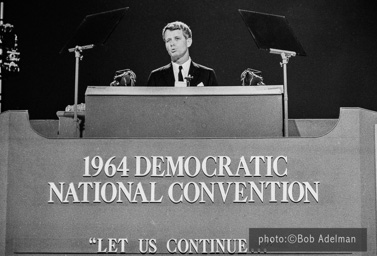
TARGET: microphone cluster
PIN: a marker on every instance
(251, 77)
(124, 77)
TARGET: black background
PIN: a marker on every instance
(339, 37)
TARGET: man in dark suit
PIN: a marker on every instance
(182, 71)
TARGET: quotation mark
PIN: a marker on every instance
(92, 240)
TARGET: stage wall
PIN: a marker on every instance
(53, 202)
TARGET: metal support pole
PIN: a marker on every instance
(284, 64)
(78, 56)
(285, 55)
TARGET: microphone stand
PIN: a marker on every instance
(78, 55)
(188, 80)
(285, 55)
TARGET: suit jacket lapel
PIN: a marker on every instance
(169, 75)
(194, 73)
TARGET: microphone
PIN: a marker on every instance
(124, 77)
(249, 77)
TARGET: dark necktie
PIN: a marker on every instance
(180, 76)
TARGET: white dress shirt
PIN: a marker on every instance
(185, 72)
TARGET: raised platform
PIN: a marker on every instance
(57, 198)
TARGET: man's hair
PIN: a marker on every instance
(177, 25)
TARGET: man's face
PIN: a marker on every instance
(176, 44)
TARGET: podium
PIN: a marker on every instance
(190, 112)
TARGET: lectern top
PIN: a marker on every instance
(95, 28)
(271, 32)
(183, 91)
